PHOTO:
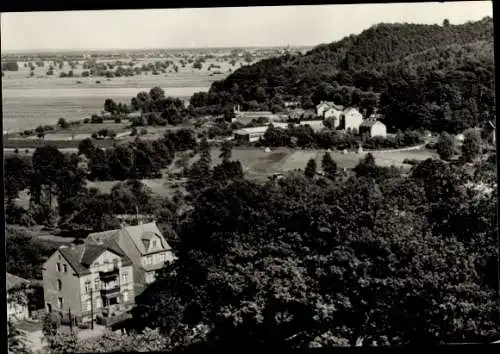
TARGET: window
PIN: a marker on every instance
(125, 296)
(149, 260)
(154, 243)
(87, 287)
(65, 267)
(98, 303)
(89, 305)
(125, 277)
(58, 266)
(60, 303)
(97, 283)
(59, 284)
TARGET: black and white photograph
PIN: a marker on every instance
(285, 177)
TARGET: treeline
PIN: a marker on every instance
(420, 76)
(139, 159)
(305, 137)
(119, 68)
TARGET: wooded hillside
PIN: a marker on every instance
(429, 76)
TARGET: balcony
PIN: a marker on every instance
(109, 275)
(110, 291)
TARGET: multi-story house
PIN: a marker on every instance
(83, 280)
(144, 244)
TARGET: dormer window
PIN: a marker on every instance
(154, 243)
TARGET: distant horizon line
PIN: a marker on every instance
(41, 50)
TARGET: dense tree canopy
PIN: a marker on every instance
(301, 263)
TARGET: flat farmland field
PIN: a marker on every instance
(31, 101)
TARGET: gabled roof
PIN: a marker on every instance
(92, 251)
(73, 254)
(80, 257)
(137, 234)
(14, 282)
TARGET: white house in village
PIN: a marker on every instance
(344, 118)
(351, 119)
(372, 128)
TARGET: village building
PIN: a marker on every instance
(372, 127)
(144, 244)
(250, 135)
(329, 110)
(334, 113)
(17, 297)
(85, 280)
(351, 119)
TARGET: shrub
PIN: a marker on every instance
(96, 119)
(86, 121)
(118, 120)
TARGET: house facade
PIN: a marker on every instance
(373, 128)
(144, 244)
(85, 280)
(351, 119)
(17, 297)
(334, 113)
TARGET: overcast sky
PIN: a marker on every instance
(218, 27)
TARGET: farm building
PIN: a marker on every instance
(255, 133)
(372, 128)
(249, 135)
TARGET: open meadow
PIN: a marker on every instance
(30, 101)
(258, 165)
